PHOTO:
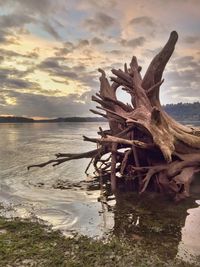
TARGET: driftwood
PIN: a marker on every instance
(144, 144)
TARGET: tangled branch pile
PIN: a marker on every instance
(144, 147)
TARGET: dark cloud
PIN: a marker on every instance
(7, 37)
(133, 42)
(11, 25)
(3, 37)
(186, 62)
(96, 41)
(68, 45)
(15, 79)
(15, 20)
(83, 43)
(62, 51)
(184, 79)
(192, 39)
(67, 48)
(44, 7)
(116, 52)
(8, 72)
(50, 29)
(90, 79)
(55, 68)
(8, 54)
(101, 21)
(19, 84)
(2, 104)
(41, 6)
(46, 106)
(100, 4)
(143, 20)
(26, 12)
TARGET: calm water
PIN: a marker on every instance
(79, 210)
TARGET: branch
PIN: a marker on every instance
(67, 157)
(99, 113)
(122, 75)
(155, 70)
(154, 87)
(118, 140)
(113, 167)
(105, 89)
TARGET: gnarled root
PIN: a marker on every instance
(143, 143)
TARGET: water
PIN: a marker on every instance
(30, 193)
(25, 144)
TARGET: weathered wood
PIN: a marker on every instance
(162, 154)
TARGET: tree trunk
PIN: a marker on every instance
(159, 154)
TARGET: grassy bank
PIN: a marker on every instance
(26, 243)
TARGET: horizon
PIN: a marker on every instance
(50, 52)
(91, 116)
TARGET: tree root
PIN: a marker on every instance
(143, 143)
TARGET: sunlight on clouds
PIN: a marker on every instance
(30, 42)
(56, 86)
(10, 100)
(91, 58)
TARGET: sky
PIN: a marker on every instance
(50, 51)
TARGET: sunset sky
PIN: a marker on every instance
(50, 51)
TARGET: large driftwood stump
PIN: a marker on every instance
(146, 149)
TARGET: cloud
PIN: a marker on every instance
(19, 84)
(82, 43)
(133, 42)
(101, 21)
(144, 21)
(50, 29)
(183, 82)
(67, 47)
(11, 78)
(97, 41)
(9, 54)
(44, 7)
(186, 62)
(41, 6)
(116, 52)
(192, 39)
(7, 71)
(38, 105)
(54, 68)
(15, 20)
(7, 37)
(25, 12)
(98, 4)
(12, 25)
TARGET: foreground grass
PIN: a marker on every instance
(26, 243)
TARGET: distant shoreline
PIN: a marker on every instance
(5, 120)
(184, 112)
(9, 119)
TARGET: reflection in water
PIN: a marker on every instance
(155, 222)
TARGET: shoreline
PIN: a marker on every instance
(24, 242)
(27, 243)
